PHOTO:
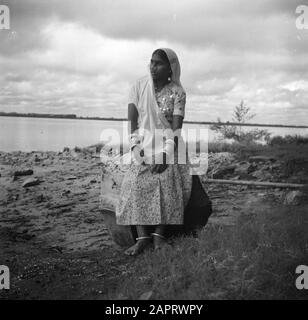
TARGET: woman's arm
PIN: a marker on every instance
(133, 117)
(177, 123)
(133, 120)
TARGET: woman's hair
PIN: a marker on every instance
(162, 54)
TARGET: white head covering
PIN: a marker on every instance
(175, 66)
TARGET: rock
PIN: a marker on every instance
(262, 175)
(25, 172)
(71, 178)
(222, 171)
(91, 150)
(244, 169)
(261, 159)
(66, 149)
(146, 295)
(294, 179)
(63, 204)
(236, 178)
(65, 192)
(40, 198)
(295, 197)
(31, 182)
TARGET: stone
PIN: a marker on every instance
(71, 178)
(261, 159)
(31, 182)
(40, 198)
(222, 171)
(146, 295)
(261, 175)
(295, 197)
(91, 150)
(25, 172)
(243, 169)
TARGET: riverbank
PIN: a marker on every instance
(54, 241)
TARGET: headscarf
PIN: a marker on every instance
(175, 66)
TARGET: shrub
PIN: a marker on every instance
(241, 114)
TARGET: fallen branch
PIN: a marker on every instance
(256, 183)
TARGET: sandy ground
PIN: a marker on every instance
(52, 235)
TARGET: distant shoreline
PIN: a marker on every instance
(74, 117)
(55, 116)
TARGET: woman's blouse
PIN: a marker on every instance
(171, 100)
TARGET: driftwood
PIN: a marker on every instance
(256, 183)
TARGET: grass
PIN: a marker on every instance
(287, 151)
(255, 259)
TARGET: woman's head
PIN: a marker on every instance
(160, 66)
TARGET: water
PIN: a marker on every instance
(48, 134)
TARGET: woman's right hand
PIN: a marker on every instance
(138, 155)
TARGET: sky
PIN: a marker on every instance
(82, 56)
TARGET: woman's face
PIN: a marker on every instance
(160, 70)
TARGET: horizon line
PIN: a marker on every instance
(75, 117)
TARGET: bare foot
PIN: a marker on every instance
(138, 247)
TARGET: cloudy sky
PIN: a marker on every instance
(81, 56)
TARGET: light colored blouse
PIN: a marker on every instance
(155, 113)
(171, 99)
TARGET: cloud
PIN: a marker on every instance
(81, 56)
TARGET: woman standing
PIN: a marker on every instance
(154, 193)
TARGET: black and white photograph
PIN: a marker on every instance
(153, 151)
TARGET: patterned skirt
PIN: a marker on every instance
(154, 198)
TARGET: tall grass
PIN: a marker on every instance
(255, 259)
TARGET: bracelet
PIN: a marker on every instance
(170, 141)
(169, 147)
(138, 154)
(134, 140)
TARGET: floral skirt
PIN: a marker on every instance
(154, 198)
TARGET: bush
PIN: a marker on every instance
(289, 139)
(241, 114)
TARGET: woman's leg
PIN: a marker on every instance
(143, 240)
(159, 239)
